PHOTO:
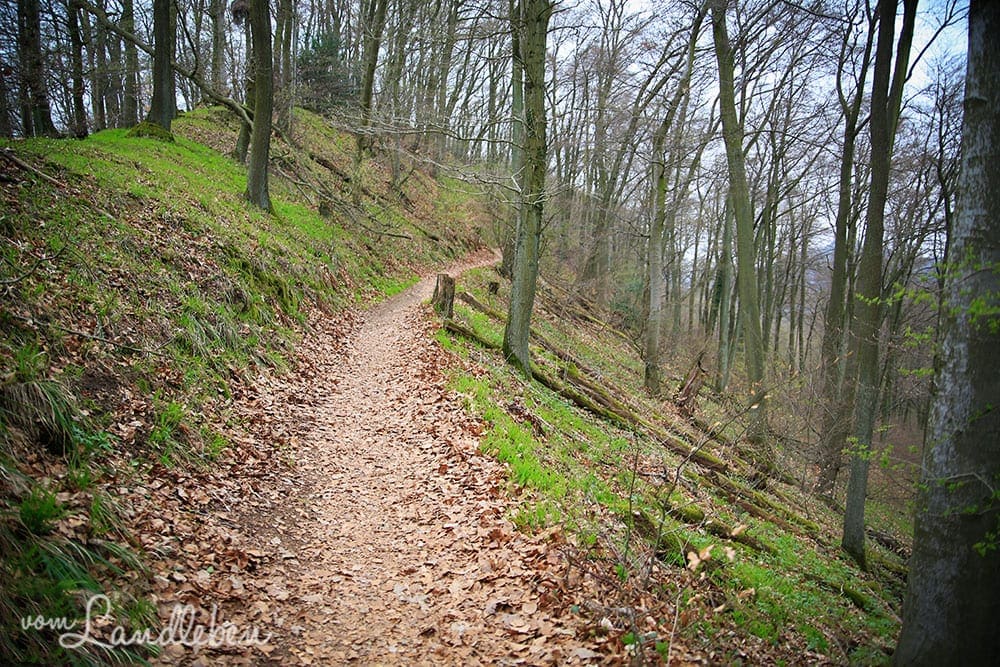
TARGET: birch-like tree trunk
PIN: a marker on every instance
(953, 597)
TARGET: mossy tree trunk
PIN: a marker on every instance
(953, 598)
(260, 138)
(533, 22)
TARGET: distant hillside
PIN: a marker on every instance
(139, 290)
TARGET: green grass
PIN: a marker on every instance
(594, 479)
(161, 290)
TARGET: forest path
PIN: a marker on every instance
(392, 544)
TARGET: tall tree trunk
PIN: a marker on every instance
(284, 93)
(724, 290)
(953, 596)
(90, 32)
(374, 24)
(217, 8)
(655, 280)
(534, 20)
(838, 403)
(79, 128)
(746, 278)
(243, 139)
(260, 139)
(163, 106)
(130, 102)
(513, 228)
(37, 116)
(868, 312)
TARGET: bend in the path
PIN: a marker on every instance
(401, 552)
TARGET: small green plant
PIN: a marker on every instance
(29, 363)
(38, 510)
(215, 443)
(165, 431)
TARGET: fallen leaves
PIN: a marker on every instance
(356, 520)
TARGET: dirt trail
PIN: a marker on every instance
(391, 545)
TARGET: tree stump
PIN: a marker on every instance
(444, 295)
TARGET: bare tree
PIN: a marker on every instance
(953, 596)
(886, 100)
(533, 21)
(746, 278)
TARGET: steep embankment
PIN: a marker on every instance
(679, 537)
(140, 295)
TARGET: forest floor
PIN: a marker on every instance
(389, 540)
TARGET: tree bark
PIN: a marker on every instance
(724, 289)
(444, 296)
(746, 277)
(217, 9)
(953, 597)
(36, 111)
(657, 286)
(76, 47)
(242, 147)
(374, 25)
(655, 279)
(130, 102)
(513, 228)
(260, 139)
(868, 310)
(534, 22)
(162, 108)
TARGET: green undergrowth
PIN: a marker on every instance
(772, 578)
(140, 291)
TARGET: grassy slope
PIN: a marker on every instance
(139, 291)
(774, 588)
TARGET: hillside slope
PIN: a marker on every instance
(147, 441)
(140, 294)
(679, 537)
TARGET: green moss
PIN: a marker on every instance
(147, 130)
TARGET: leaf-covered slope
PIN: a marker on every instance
(139, 291)
(681, 536)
